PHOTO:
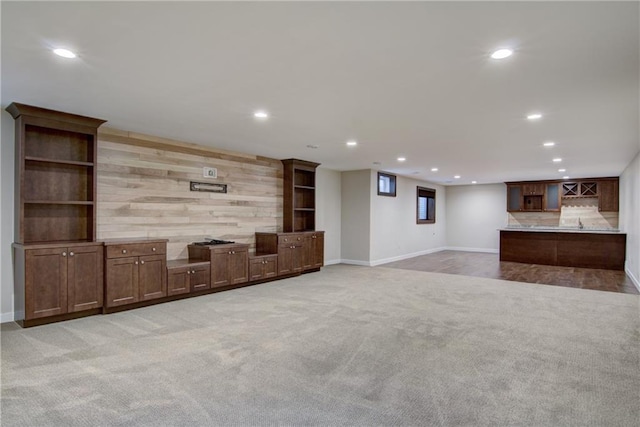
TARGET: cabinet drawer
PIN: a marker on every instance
(136, 249)
(226, 249)
(289, 239)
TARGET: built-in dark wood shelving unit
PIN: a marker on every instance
(299, 195)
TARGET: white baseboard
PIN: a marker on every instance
(333, 261)
(633, 278)
(485, 250)
(406, 256)
(9, 317)
(355, 262)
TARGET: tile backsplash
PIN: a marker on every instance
(586, 210)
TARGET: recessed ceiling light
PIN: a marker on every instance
(312, 146)
(457, 176)
(534, 116)
(434, 169)
(557, 160)
(377, 163)
(352, 143)
(565, 177)
(402, 159)
(562, 170)
(474, 182)
(65, 53)
(415, 173)
(502, 53)
(549, 144)
(261, 114)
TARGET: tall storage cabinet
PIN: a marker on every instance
(55, 213)
(299, 195)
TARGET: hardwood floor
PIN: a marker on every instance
(488, 265)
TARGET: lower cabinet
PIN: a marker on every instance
(314, 250)
(297, 252)
(54, 280)
(131, 279)
(184, 276)
(229, 262)
(263, 267)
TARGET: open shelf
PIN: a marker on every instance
(50, 222)
(64, 162)
(299, 195)
(59, 202)
(57, 181)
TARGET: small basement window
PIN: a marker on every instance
(426, 206)
(386, 184)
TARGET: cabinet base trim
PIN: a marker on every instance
(58, 318)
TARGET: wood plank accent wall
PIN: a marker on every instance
(143, 191)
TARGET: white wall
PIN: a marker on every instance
(329, 212)
(474, 215)
(630, 217)
(394, 232)
(356, 216)
(7, 150)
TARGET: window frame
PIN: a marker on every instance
(428, 193)
(392, 184)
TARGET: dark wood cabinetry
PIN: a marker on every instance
(263, 267)
(229, 262)
(55, 175)
(56, 272)
(184, 276)
(547, 195)
(297, 252)
(135, 271)
(608, 197)
(57, 280)
(569, 249)
(299, 195)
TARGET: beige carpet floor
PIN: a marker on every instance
(346, 346)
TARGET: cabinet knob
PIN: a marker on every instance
(64, 254)
(135, 262)
(141, 262)
(286, 240)
(298, 238)
(188, 272)
(313, 237)
(124, 251)
(70, 253)
(193, 271)
(153, 249)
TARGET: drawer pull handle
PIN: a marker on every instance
(64, 254)
(124, 251)
(71, 253)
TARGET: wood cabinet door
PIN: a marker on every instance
(256, 268)
(608, 197)
(298, 256)
(514, 198)
(270, 268)
(307, 251)
(285, 259)
(200, 278)
(220, 268)
(178, 281)
(552, 201)
(45, 282)
(318, 250)
(239, 266)
(533, 189)
(152, 278)
(85, 280)
(121, 281)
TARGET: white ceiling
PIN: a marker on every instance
(402, 78)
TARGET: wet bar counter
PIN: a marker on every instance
(564, 247)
